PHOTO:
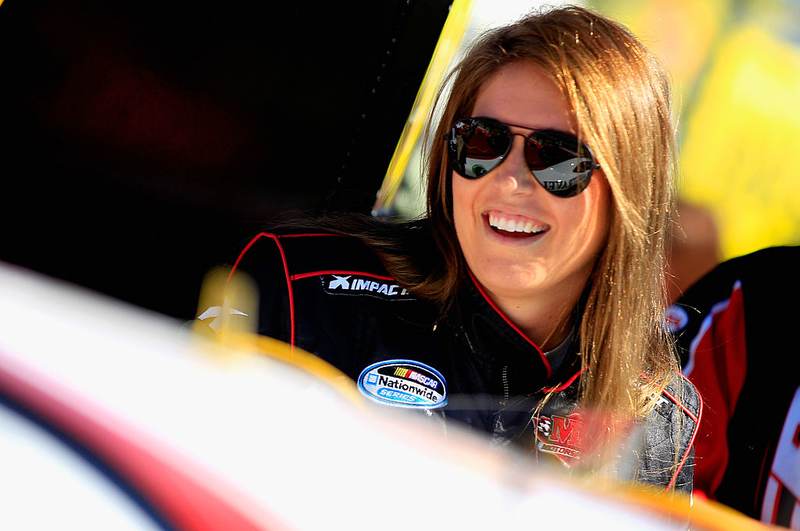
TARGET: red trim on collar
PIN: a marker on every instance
(565, 384)
(512, 325)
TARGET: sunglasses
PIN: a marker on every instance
(558, 161)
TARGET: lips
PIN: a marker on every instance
(517, 226)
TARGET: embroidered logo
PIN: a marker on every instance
(404, 383)
(364, 285)
(561, 436)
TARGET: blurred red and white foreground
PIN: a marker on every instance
(115, 418)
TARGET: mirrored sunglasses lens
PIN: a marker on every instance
(559, 164)
(480, 147)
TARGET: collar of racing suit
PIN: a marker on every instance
(492, 337)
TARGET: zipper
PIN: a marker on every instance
(506, 393)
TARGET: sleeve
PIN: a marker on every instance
(736, 341)
(673, 425)
(690, 410)
(713, 350)
(717, 364)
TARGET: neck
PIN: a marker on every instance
(547, 325)
(546, 320)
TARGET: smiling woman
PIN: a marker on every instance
(532, 251)
(528, 303)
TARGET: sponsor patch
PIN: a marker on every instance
(404, 383)
(677, 318)
(561, 436)
(364, 285)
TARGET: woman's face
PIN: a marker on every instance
(554, 255)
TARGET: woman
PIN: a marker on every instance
(529, 302)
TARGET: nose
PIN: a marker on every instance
(513, 176)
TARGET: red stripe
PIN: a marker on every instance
(759, 489)
(246, 248)
(564, 385)
(512, 325)
(719, 357)
(680, 404)
(697, 420)
(195, 501)
(776, 503)
(289, 289)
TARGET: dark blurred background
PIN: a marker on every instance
(146, 142)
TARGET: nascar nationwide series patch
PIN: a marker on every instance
(381, 288)
(404, 383)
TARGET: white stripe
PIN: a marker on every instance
(717, 308)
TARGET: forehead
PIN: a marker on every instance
(522, 93)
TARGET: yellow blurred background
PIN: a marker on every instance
(736, 72)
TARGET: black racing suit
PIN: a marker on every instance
(734, 329)
(331, 296)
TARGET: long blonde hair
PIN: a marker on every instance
(620, 97)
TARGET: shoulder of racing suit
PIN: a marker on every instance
(733, 329)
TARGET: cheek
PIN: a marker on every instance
(463, 199)
(585, 219)
(599, 212)
(465, 219)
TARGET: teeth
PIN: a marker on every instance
(512, 226)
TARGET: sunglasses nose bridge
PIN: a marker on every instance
(514, 145)
(514, 175)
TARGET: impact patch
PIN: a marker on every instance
(404, 383)
(364, 285)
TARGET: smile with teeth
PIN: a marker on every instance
(519, 225)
